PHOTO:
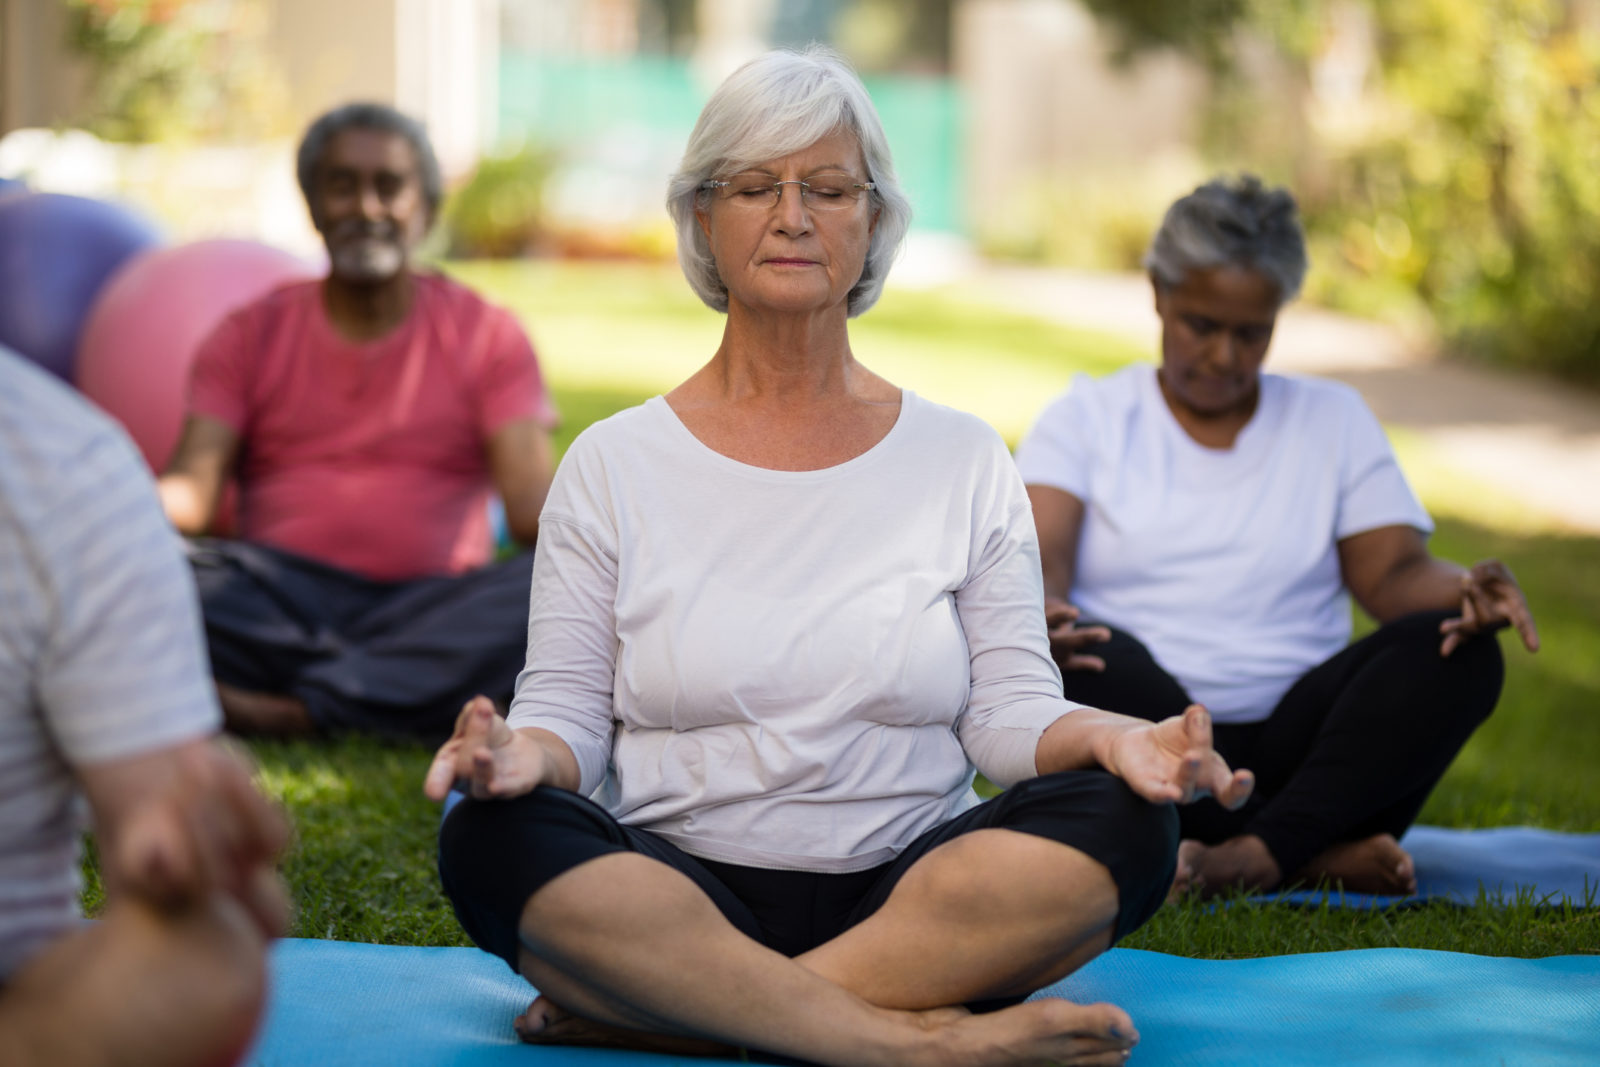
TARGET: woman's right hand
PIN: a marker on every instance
(489, 759)
(1060, 619)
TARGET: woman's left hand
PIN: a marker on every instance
(1172, 762)
(1490, 599)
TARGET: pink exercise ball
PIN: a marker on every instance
(143, 332)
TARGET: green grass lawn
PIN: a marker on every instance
(362, 863)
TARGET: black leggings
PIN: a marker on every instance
(494, 855)
(1353, 748)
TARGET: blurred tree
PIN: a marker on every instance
(163, 70)
(894, 35)
(499, 211)
(1446, 155)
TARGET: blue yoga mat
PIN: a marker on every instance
(1547, 866)
(335, 1002)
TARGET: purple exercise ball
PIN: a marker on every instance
(56, 254)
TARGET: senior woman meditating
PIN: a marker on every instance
(1214, 520)
(779, 613)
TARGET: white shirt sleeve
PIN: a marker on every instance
(567, 685)
(1058, 451)
(123, 669)
(1016, 685)
(1373, 491)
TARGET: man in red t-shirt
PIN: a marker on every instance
(368, 418)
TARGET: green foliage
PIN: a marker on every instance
(1470, 187)
(162, 70)
(1464, 176)
(1201, 27)
(499, 211)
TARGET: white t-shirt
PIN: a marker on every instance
(101, 654)
(789, 669)
(1224, 562)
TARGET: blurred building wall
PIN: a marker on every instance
(1046, 99)
(435, 59)
(39, 85)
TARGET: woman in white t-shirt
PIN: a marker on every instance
(1212, 521)
(778, 615)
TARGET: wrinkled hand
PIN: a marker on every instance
(208, 831)
(488, 758)
(1172, 762)
(1060, 619)
(1490, 599)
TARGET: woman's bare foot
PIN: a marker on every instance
(1238, 863)
(1186, 879)
(548, 1023)
(1375, 864)
(1042, 1032)
(251, 714)
(1045, 1032)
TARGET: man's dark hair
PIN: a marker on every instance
(366, 116)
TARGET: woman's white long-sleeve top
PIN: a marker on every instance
(789, 669)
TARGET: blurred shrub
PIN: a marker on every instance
(1461, 177)
(499, 212)
(176, 70)
(1087, 220)
(1480, 190)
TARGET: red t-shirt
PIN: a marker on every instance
(370, 456)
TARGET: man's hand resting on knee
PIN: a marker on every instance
(182, 824)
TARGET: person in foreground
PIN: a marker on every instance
(779, 614)
(368, 417)
(104, 694)
(1213, 522)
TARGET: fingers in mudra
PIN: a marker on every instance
(452, 764)
(1206, 773)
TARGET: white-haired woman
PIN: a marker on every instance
(1213, 522)
(779, 614)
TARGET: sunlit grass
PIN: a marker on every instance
(1452, 492)
(362, 864)
(638, 327)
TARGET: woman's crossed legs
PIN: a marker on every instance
(1343, 765)
(618, 927)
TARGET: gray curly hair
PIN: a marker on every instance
(1238, 222)
(776, 104)
(368, 116)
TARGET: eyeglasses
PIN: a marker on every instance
(820, 192)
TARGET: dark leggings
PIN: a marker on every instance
(392, 658)
(1353, 748)
(494, 855)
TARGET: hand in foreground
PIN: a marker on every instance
(1172, 762)
(488, 758)
(1490, 599)
(1060, 619)
(207, 831)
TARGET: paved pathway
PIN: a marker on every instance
(1538, 442)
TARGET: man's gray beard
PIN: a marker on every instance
(367, 262)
